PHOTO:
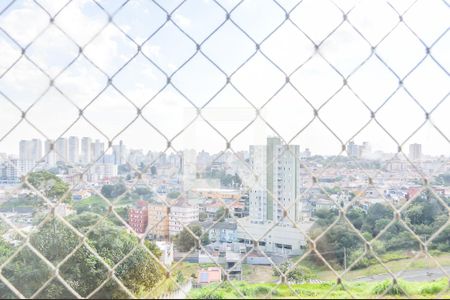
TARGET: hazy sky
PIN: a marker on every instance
(199, 80)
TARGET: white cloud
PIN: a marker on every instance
(182, 20)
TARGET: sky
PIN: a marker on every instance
(198, 78)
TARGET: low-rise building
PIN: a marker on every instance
(257, 258)
(209, 275)
(223, 232)
(80, 195)
(211, 208)
(280, 239)
(323, 203)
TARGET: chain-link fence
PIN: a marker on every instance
(254, 215)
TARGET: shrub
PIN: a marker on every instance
(207, 293)
(386, 287)
(364, 262)
(261, 289)
(247, 290)
(297, 274)
(392, 256)
(433, 288)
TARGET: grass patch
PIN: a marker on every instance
(434, 288)
(91, 204)
(386, 287)
(402, 289)
(395, 263)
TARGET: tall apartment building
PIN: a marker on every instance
(97, 151)
(275, 192)
(50, 156)
(354, 150)
(74, 150)
(30, 150)
(86, 150)
(119, 153)
(366, 149)
(278, 186)
(189, 168)
(61, 150)
(415, 152)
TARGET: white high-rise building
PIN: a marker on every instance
(354, 150)
(136, 156)
(119, 153)
(366, 149)
(86, 150)
(30, 150)
(98, 149)
(50, 156)
(36, 149)
(189, 166)
(415, 152)
(274, 195)
(74, 150)
(278, 184)
(61, 150)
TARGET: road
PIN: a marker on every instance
(410, 275)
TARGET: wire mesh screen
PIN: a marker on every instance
(222, 149)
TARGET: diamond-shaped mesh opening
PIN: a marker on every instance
(224, 149)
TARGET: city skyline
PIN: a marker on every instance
(63, 146)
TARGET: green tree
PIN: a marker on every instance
(221, 214)
(357, 216)
(50, 185)
(143, 193)
(375, 213)
(202, 216)
(324, 217)
(83, 271)
(185, 241)
(123, 169)
(111, 191)
(179, 277)
(295, 274)
(173, 195)
(153, 171)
